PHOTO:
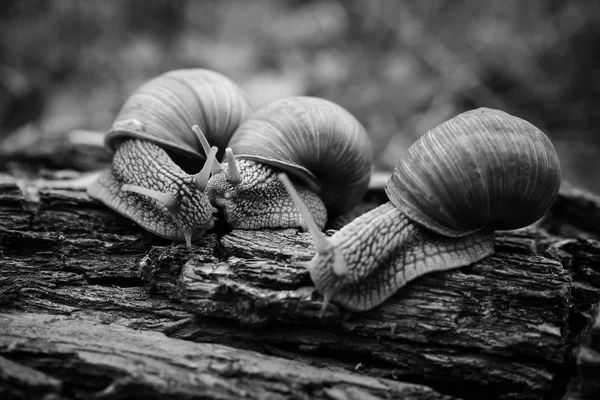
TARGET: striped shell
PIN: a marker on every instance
(483, 169)
(314, 140)
(164, 109)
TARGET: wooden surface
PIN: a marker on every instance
(158, 316)
(587, 384)
(86, 357)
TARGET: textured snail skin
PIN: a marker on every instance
(260, 200)
(322, 146)
(480, 171)
(145, 164)
(175, 118)
(382, 251)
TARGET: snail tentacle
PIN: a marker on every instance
(202, 177)
(233, 173)
(152, 180)
(202, 139)
(321, 243)
(260, 200)
(167, 199)
(206, 148)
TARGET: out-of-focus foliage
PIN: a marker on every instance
(401, 67)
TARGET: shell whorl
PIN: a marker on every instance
(164, 109)
(316, 141)
(483, 169)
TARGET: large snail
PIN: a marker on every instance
(154, 179)
(480, 171)
(314, 140)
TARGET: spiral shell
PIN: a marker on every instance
(164, 109)
(314, 140)
(483, 169)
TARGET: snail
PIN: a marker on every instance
(319, 143)
(480, 171)
(163, 158)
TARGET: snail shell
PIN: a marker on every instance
(483, 169)
(314, 140)
(159, 174)
(480, 171)
(164, 109)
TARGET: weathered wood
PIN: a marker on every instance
(66, 254)
(502, 326)
(576, 213)
(89, 358)
(588, 359)
(18, 381)
(499, 323)
(586, 385)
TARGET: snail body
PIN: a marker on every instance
(480, 171)
(317, 142)
(161, 167)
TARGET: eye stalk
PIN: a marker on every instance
(326, 251)
(167, 199)
(206, 148)
(233, 173)
(202, 177)
(320, 240)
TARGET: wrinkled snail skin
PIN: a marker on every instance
(163, 159)
(146, 165)
(323, 148)
(259, 200)
(382, 251)
(480, 171)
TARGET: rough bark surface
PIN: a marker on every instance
(90, 358)
(86, 297)
(588, 360)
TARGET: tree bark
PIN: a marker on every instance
(586, 385)
(83, 357)
(75, 273)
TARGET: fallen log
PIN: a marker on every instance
(500, 323)
(503, 327)
(83, 357)
(586, 385)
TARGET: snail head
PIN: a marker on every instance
(251, 197)
(187, 212)
(235, 187)
(328, 268)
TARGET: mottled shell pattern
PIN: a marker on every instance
(483, 169)
(315, 140)
(164, 109)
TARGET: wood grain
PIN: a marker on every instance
(503, 327)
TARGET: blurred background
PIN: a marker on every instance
(401, 67)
